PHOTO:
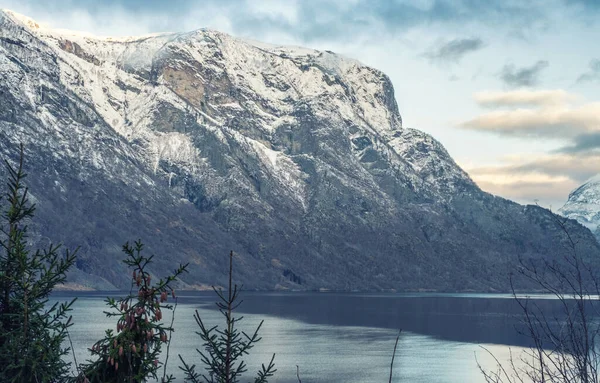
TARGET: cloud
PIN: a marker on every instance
(549, 165)
(584, 4)
(303, 21)
(549, 193)
(544, 122)
(524, 187)
(585, 143)
(453, 50)
(574, 166)
(593, 74)
(523, 76)
(523, 97)
(297, 20)
(549, 114)
(548, 177)
(347, 19)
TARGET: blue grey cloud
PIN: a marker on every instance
(323, 18)
(576, 166)
(583, 144)
(316, 19)
(593, 74)
(523, 76)
(585, 4)
(453, 50)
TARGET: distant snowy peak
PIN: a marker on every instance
(583, 204)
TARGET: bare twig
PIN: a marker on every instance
(73, 352)
(564, 346)
(169, 344)
(298, 374)
(496, 375)
(394, 356)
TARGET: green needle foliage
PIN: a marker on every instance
(31, 334)
(223, 349)
(131, 353)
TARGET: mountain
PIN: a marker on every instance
(294, 158)
(583, 205)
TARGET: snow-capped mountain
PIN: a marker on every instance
(297, 159)
(583, 205)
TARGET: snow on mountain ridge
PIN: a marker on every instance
(118, 50)
(270, 81)
(583, 204)
(32, 24)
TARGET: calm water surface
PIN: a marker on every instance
(344, 337)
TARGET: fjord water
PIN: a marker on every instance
(347, 338)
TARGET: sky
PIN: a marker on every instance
(510, 88)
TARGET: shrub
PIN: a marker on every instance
(224, 349)
(131, 353)
(31, 333)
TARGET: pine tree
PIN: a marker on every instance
(31, 332)
(224, 349)
(131, 354)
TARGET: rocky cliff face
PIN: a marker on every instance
(297, 159)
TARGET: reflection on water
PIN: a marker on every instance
(346, 337)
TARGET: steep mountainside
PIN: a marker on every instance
(297, 159)
(583, 205)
